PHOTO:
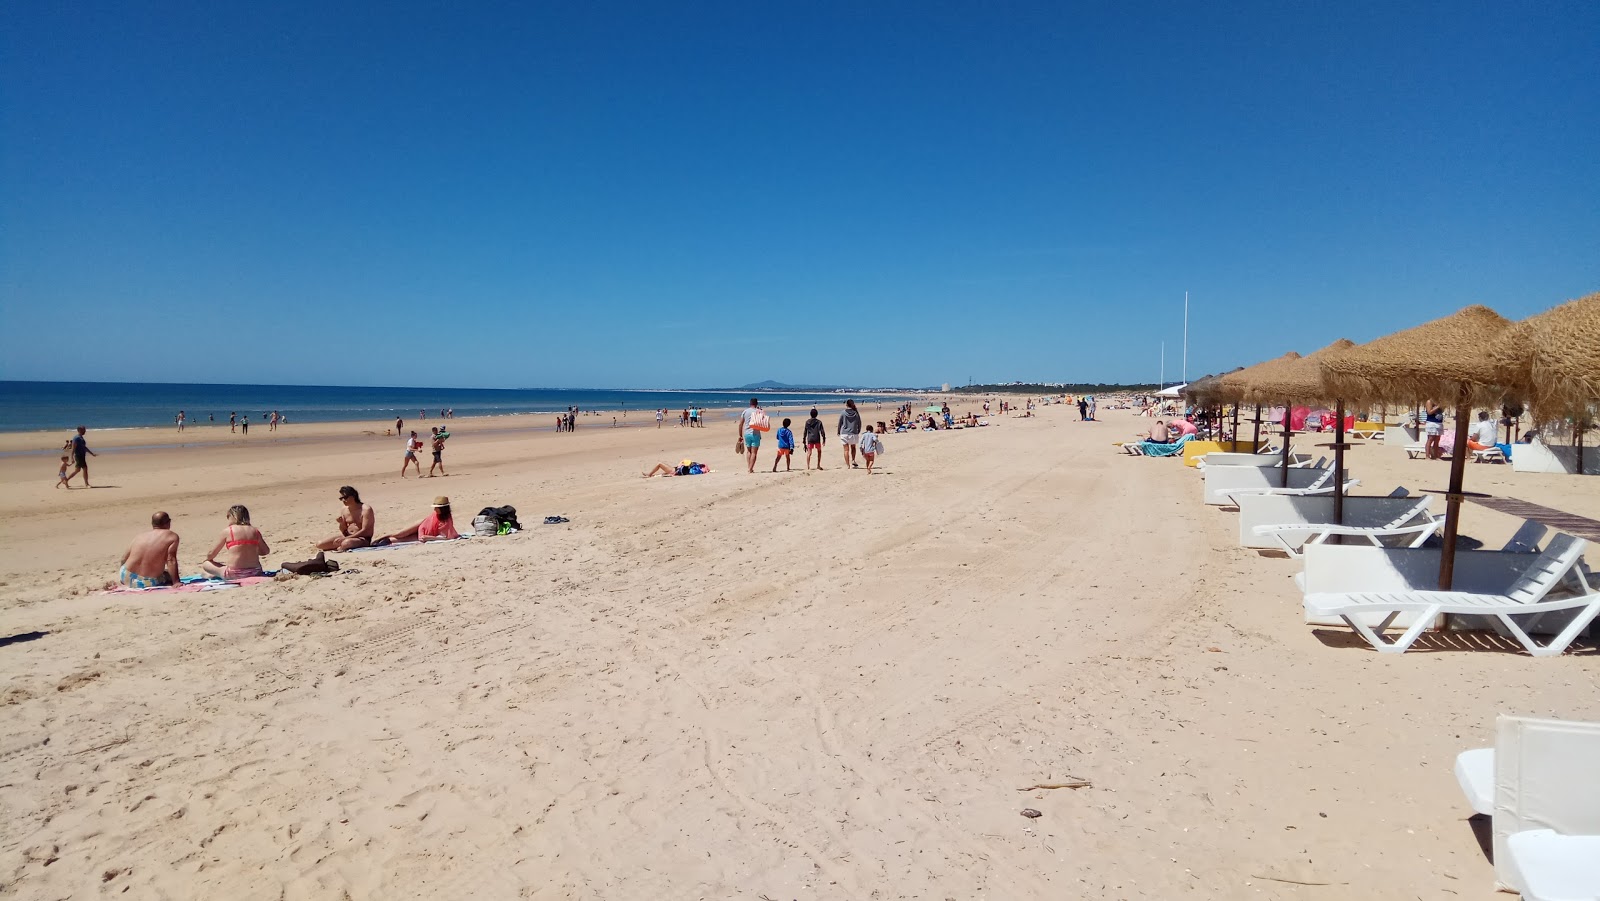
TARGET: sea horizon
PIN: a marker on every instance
(30, 406)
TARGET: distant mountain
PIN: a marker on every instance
(770, 385)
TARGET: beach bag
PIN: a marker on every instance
(484, 525)
(759, 422)
(316, 565)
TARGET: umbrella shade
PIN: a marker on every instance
(1174, 391)
(1206, 390)
(1300, 378)
(1553, 359)
(1448, 359)
(1236, 385)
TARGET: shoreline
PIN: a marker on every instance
(39, 443)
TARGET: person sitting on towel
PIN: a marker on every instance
(436, 526)
(1159, 434)
(244, 544)
(151, 561)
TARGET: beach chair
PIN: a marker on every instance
(1550, 866)
(1417, 523)
(1151, 449)
(1527, 596)
(1489, 455)
(1323, 485)
(1540, 786)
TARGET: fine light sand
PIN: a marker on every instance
(792, 686)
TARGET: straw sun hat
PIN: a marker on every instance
(441, 501)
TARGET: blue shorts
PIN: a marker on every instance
(752, 438)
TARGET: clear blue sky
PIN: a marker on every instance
(605, 195)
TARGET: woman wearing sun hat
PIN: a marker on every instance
(436, 526)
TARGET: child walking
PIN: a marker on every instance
(66, 465)
(785, 448)
(870, 447)
(816, 436)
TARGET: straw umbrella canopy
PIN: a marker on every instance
(1447, 359)
(1553, 359)
(1236, 386)
(1284, 380)
(1294, 379)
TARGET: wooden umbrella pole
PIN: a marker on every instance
(1288, 433)
(1255, 437)
(1452, 500)
(1235, 426)
(1581, 423)
(1338, 468)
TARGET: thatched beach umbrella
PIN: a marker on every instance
(1284, 380)
(1553, 360)
(1446, 358)
(1238, 385)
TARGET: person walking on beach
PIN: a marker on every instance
(438, 453)
(1083, 410)
(399, 425)
(180, 420)
(849, 432)
(816, 435)
(244, 424)
(151, 561)
(356, 524)
(233, 421)
(785, 448)
(694, 417)
(871, 446)
(752, 422)
(413, 444)
(66, 463)
(80, 457)
(661, 416)
(272, 424)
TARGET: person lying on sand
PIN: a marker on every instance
(151, 561)
(436, 526)
(356, 523)
(686, 468)
(244, 544)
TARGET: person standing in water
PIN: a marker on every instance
(850, 433)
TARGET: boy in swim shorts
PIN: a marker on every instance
(785, 448)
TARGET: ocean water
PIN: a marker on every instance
(34, 406)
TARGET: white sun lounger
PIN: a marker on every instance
(1415, 522)
(1490, 455)
(1323, 485)
(1540, 785)
(1558, 563)
(1555, 867)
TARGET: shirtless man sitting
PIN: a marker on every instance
(151, 561)
(355, 524)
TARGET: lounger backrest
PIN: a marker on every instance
(1420, 509)
(1321, 480)
(1544, 779)
(1536, 581)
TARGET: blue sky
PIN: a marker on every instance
(621, 195)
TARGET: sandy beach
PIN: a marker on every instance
(771, 686)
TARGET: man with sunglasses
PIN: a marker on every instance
(356, 524)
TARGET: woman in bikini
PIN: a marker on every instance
(243, 542)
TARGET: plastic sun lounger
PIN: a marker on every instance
(1489, 455)
(1556, 867)
(1323, 485)
(1416, 522)
(1475, 772)
(1558, 563)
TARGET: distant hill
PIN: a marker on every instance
(770, 385)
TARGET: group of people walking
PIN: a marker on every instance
(853, 437)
